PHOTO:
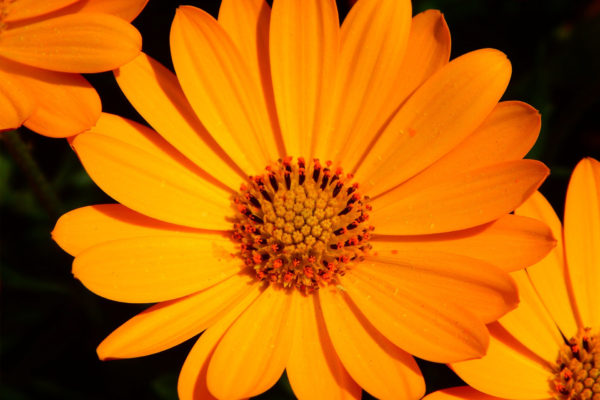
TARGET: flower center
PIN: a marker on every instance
(577, 371)
(301, 226)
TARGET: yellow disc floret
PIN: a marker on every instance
(577, 373)
(301, 226)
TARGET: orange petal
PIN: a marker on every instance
(125, 9)
(66, 104)
(314, 369)
(376, 364)
(462, 201)
(435, 119)
(509, 370)
(303, 48)
(16, 105)
(247, 24)
(253, 353)
(483, 289)
(155, 93)
(531, 324)
(169, 323)
(582, 239)
(507, 134)
(86, 227)
(192, 379)
(510, 242)
(461, 393)
(428, 50)
(373, 41)
(221, 90)
(423, 325)
(150, 180)
(22, 9)
(84, 43)
(158, 268)
(548, 276)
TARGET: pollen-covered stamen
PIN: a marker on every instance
(577, 369)
(299, 232)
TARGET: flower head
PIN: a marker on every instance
(45, 45)
(549, 347)
(322, 199)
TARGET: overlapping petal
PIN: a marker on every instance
(253, 352)
(462, 201)
(221, 90)
(22, 9)
(375, 363)
(141, 171)
(303, 52)
(437, 117)
(156, 94)
(172, 322)
(460, 393)
(510, 242)
(421, 325)
(508, 370)
(81, 43)
(65, 104)
(314, 368)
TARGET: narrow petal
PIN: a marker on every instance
(436, 118)
(125, 9)
(156, 94)
(169, 323)
(428, 51)
(422, 325)
(83, 43)
(253, 353)
(507, 134)
(461, 201)
(143, 173)
(192, 379)
(510, 242)
(509, 369)
(85, 227)
(22, 9)
(153, 269)
(582, 239)
(314, 369)
(221, 90)
(15, 102)
(303, 48)
(485, 290)
(376, 364)
(66, 104)
(247, 24)
(461, 393)
(548, 276)
(531, 324)
(373, 42)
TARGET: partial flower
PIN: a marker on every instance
(549, 347)
(321, 199)
(46, 45)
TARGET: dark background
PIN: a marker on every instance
(50, 324)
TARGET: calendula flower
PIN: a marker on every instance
(45, 45)
(529, 357)
(235, 222)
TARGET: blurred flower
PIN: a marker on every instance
(297, 267)
(560, 297)
(45, 45)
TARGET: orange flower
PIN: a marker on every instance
(297, 267)
(560, 297)
(45, 44)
